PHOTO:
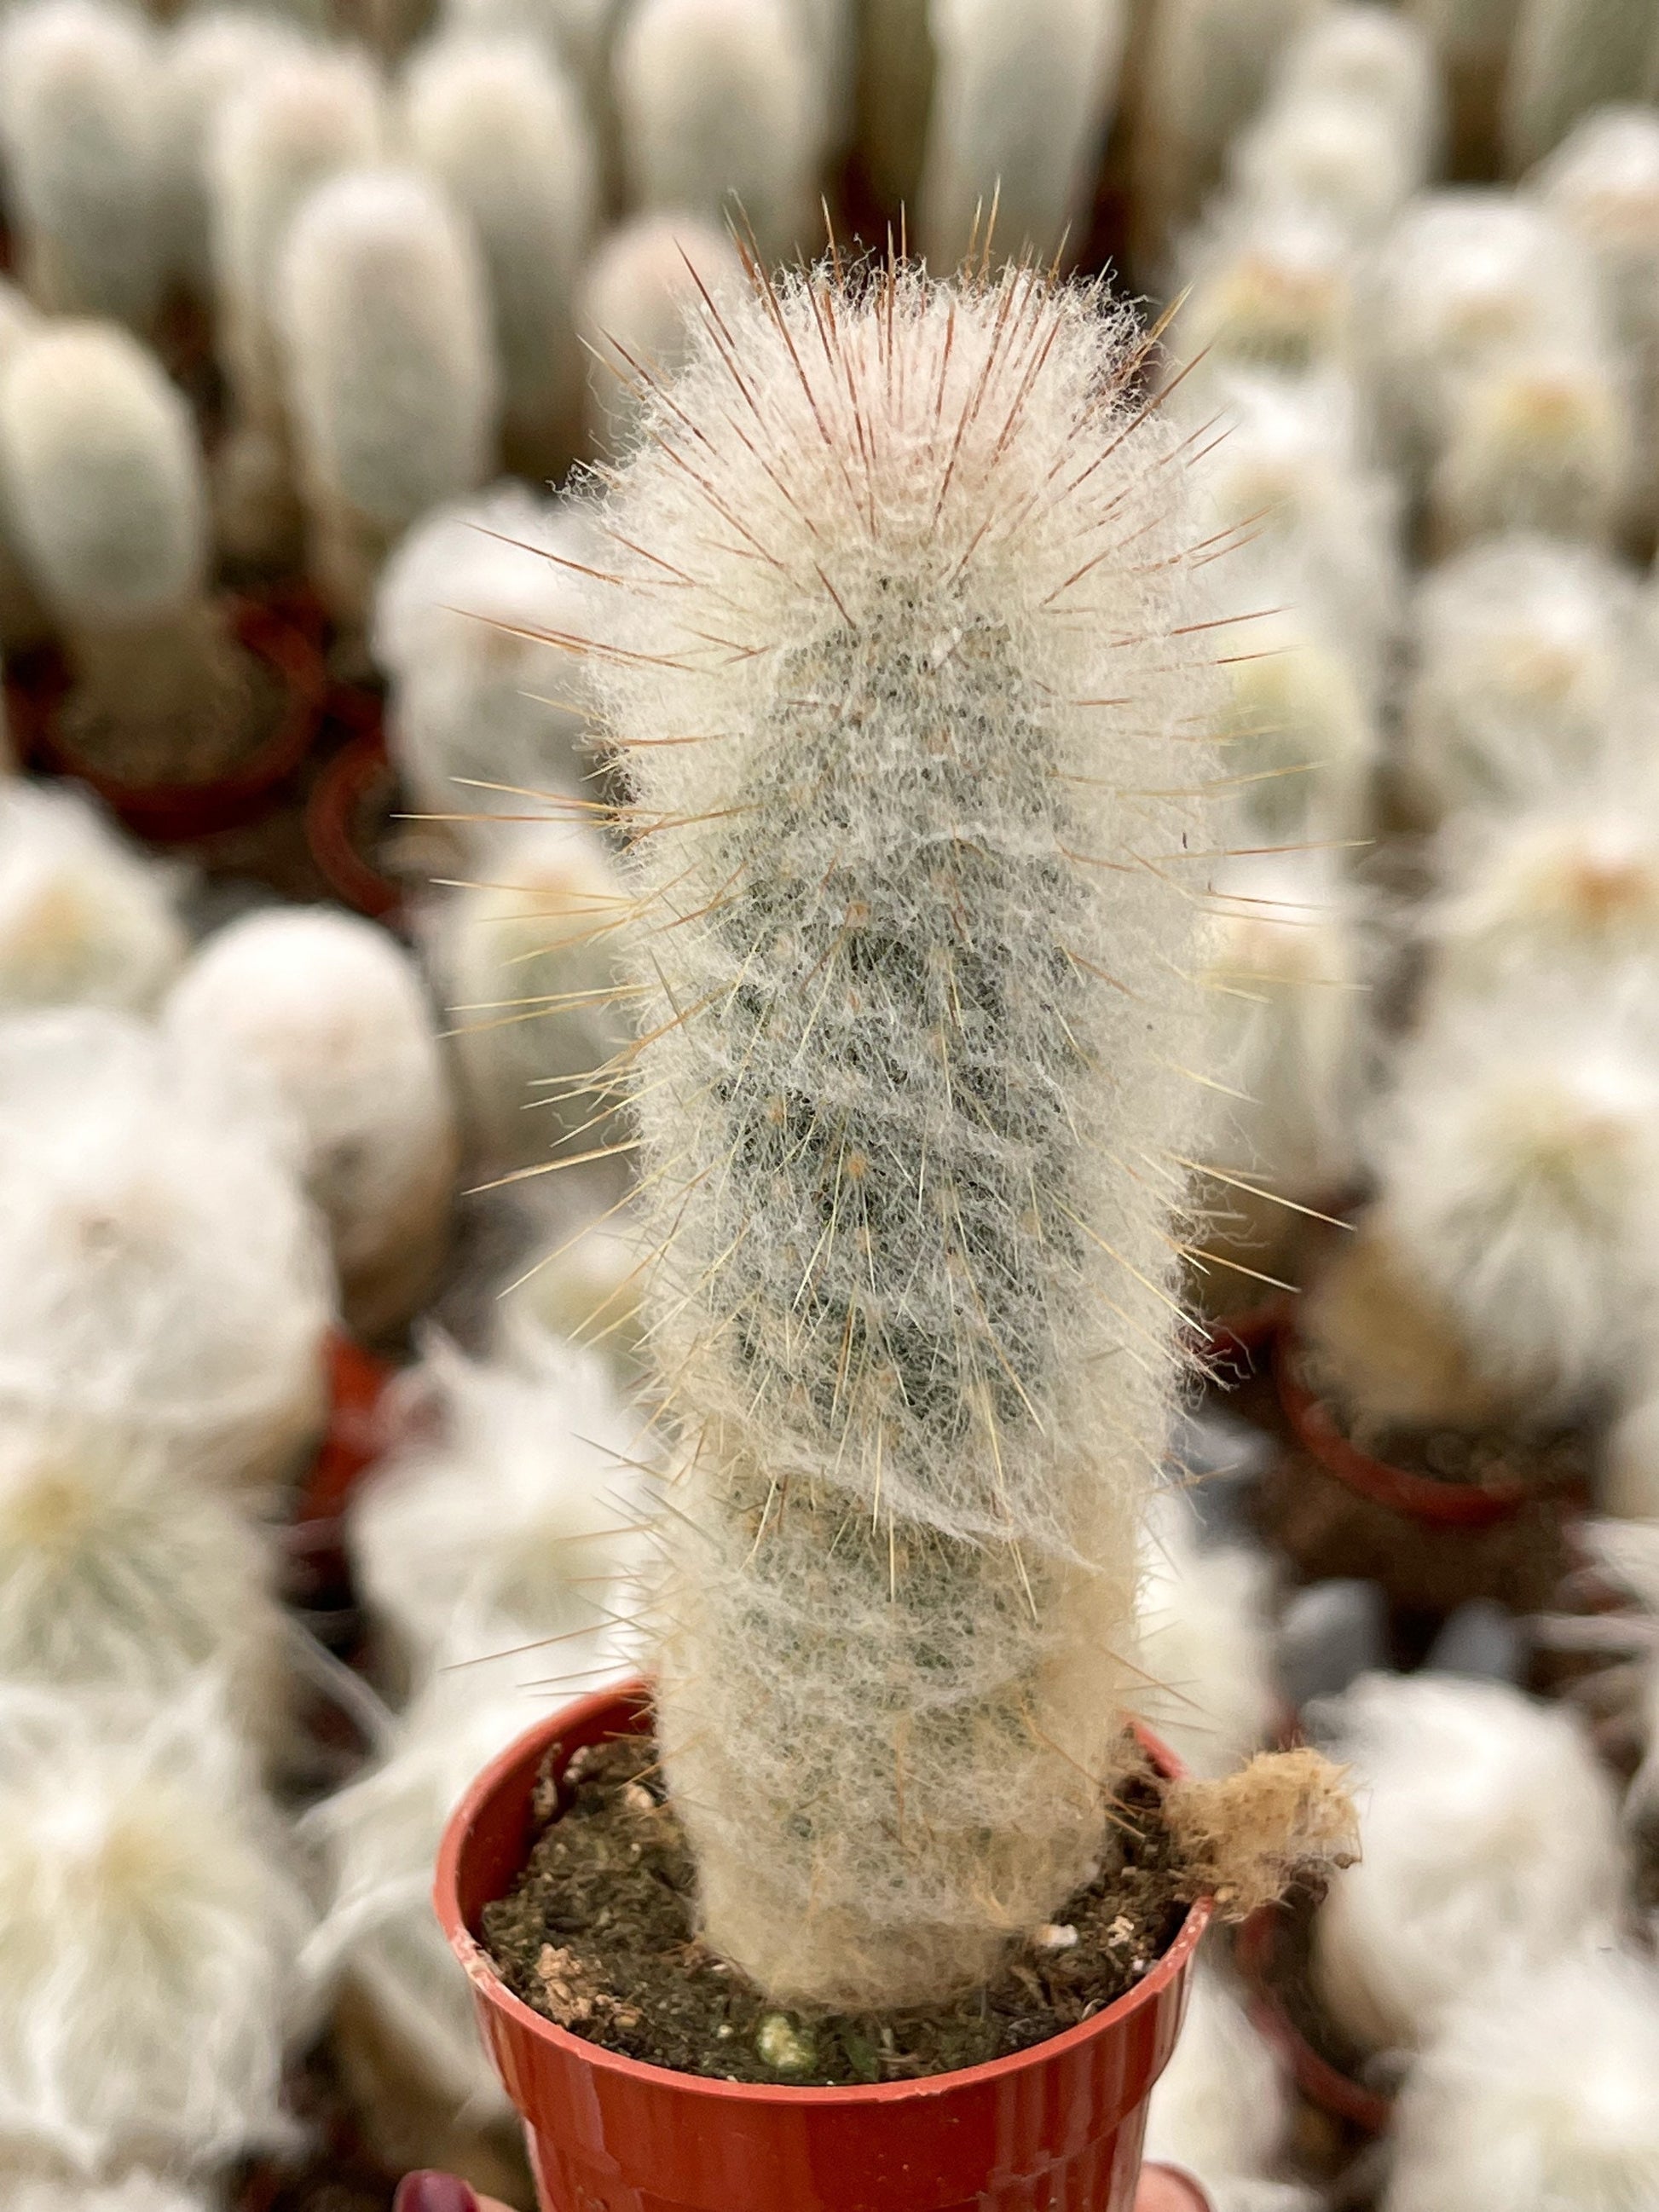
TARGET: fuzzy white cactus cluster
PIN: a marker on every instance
(85, 918)
(1221, 2110)
(1202, 1615)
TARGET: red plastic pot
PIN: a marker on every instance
(352, 1442)
(1319, 2083)
(1059, 2126)
(170, 812)
(1419, 1497)
(347, 783)
(1163, 2188)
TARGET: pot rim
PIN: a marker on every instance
(480, 1968)
(341, 782)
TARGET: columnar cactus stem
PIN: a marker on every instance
(903, 673)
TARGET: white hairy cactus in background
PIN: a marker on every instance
(1202, 1621)
(575, 35)
(79, 133)
(1537, 2095)
(384, 309)
(910, 1307)
(1471, 40)
(1524, 660)
(107, 502)
(271, 145)
(1221, 2108)
(1207, 68)
(207, 59)
(138, 2192)
(149, 1932)
(895, 91)
(1489, 1835)
(119, 1571)
(1536, 441)
(1268, 288)
(1022, 99)
(486, 711)
(720, 118)
(1344, 159)
(1375, 57)
(584, 1285)
(161, 1268)
(528, 962)
(332, 1011)
(85, 918)
(503, 131)
(519, 1516)
(1298, 723)
(1569, 56)
(644, 283)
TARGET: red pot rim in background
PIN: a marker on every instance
(1418, 1497)
(170, 812)
(667, 2139)
(1322, 2083)
(330, 810)
(354, 1439)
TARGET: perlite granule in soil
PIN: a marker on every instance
(598, 1935)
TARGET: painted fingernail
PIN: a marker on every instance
(433, 2192)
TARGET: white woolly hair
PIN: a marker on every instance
(119, 1570)
(149, 1927)
(1267, 288)
(207, 59)
(137, 2192)
(574, 34)
(1346, 159)
(1221, 2108)
(719, 116)
(85, 918)
(330, 1009)
(1207, 67)
(1377, 57)
(637, 293)
(1297, 717)
(1523, 656)
(1466, 274)
(487, 711)
(1289, 1033)
(1021, 101)
(1603, 181)
(104, 487)
(1204, 1643)
(271, 144)
(912, 1308)
(1541, 441)
(502, 129)
(1490, 1834)
(528, 960)
(521, 1515)
(79, 131)
(384, 309)
(161, 1267)
(1566, 894)
(1569, 57)
(586, 1287)
(1537, 2095)
(1518, 1160)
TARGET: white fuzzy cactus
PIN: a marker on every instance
(1524, 656)
(1537, 441)
(1021, 101)
(331, 1010)
(1201, 1619)
(148, 1933)
(527, 957)
(584, 1285)
(912, 1297)
(503, 131)
(1374, 57)
(85, 919)
(207, 59)
(487, 716)
(1298, 722)
(519, 1515)
(137, 2192)
(1221, 2109)
(1489, 1835)
(161, 1268)
(385, 315)
(119, 1571)
(642, 287)
(1537, 2095)
(1269, 288)
(79, 130)
(720, 118)
(1345, 159)
(106, 500)
(1471, 40)
(1571, 57)
(1207, 68)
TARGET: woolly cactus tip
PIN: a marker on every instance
(912, 1307)
(643, 285)
(1270, 288)
(1542, 443)
(84, 919)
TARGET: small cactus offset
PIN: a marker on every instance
(902, 673)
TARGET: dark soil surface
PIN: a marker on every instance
(598, 1935)
(234, 720)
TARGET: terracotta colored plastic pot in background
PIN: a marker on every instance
(1163, 2188)
(1319, 2083)
(353, 779)
(170, 812)
(1235, 1347)
(352, 1442)
(1060, 2124)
